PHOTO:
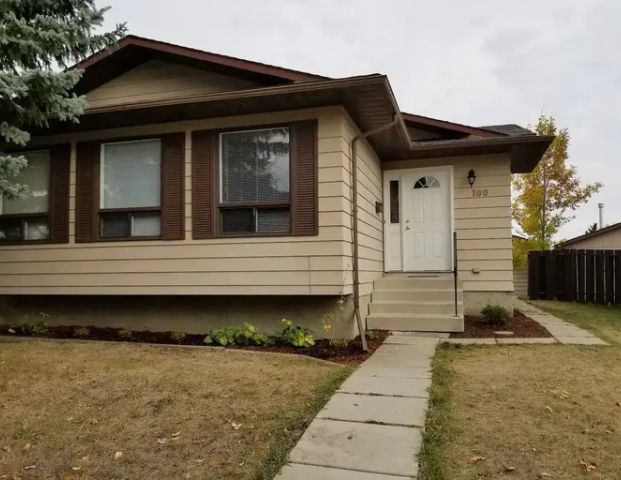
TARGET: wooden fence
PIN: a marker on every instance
(586, 276)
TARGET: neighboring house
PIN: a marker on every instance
(199, 190)
(606, 238)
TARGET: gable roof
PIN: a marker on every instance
(596, 233)
(131, 50)
(368, 99)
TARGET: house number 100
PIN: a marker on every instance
(479, 192)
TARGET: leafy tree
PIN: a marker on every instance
(38, 40)
(592, 228)
(545, 196)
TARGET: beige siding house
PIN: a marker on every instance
(605, 238)
(200, 190)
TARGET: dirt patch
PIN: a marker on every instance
(349, 352)
(521, 326)
(173, 413)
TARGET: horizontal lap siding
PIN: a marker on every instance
(483, 223)
(370, 223)
(263, 265)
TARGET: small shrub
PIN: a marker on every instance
(177, 336)
(296, 335)
(81, 332)
(32, 326)
(495, 315)
(370, 334)
(125, 334)
(246, 335)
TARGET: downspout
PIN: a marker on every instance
(354, 219)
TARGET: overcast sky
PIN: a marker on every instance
(479, 63)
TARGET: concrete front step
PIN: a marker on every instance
(394, 306)
(415, 322)
(414, 282)
(415, 294)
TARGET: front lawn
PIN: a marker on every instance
(97, 410)
(528, 412)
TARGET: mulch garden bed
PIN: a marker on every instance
(348, 353)
(521, 326)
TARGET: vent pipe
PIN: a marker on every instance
(601, 215)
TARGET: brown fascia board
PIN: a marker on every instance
(301, 87)
(456, 127)
(525, 151)
(601, 231)
(225, 60)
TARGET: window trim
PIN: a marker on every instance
(98, 210)
(218, 205)
(47, 215)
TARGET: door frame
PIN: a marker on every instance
(396, 175)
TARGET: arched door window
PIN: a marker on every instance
(427, 182)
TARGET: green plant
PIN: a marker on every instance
(81, 332)
(177, 336)
(296, 335)
(495, 315)
(328, 323)
(32, 326)
(371, 334)
(245, 335)
(125, 334)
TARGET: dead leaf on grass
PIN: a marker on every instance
(30, 467)
(588, 466)
(477, 459)
(234, 425)
(176, 434)
(545, 475)
(118, 455)
(509, 468)
(548, 408)
(162, 441)
(26, 447)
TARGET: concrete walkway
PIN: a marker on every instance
(561, 330)
(371, 429)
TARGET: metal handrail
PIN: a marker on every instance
(455, 269)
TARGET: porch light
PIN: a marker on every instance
(471, 177)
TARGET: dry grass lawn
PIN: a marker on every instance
(528, 412)
(66, 409)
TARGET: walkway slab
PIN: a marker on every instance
(403, 387)
(405, 411)
(298, 471)
(525, 341)
(472, 341)
(388, 371)
(563, 331)
(411, 340)
(384, 449)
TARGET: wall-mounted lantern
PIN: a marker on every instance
(471, 177)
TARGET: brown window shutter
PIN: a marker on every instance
(173, 157)
(204, 168)
(87, 165)
(59, 193)
(304, 178)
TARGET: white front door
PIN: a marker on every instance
(418, 228)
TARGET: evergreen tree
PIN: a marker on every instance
(38, 40)
(592, 228)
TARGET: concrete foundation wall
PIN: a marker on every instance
(474, 302)
(189, 314)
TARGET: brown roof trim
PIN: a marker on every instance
(457, 127)
(300, 87)
(225, 60)
(601, 231)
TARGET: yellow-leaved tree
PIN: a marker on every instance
(544, 199)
